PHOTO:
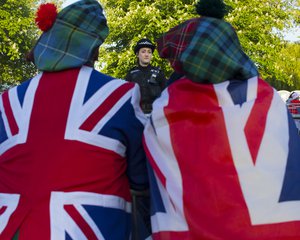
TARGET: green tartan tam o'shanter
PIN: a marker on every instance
(206, 50)
(77, 31)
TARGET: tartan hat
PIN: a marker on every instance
(206, 50)
(144, 43)
(78, 30)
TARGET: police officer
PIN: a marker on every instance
(150, 79)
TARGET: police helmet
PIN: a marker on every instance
(144, 43)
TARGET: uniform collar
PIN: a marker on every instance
(144, 68)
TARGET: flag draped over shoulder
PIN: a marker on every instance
(225, 163)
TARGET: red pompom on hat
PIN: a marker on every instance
(45, 16)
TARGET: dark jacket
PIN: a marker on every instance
(151, 81)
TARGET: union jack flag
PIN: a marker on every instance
(70, 148)
(225, 163)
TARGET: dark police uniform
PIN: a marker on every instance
(151, 81)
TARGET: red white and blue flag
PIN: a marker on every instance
(70, 148)
(225, 163)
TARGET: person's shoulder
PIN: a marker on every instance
(157, 68)
(96, 75)
(100, 75)
(133, 68)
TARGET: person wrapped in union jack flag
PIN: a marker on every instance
(70, 137)
(223, 149)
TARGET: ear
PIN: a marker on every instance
(93, 58)
(29, 56)
(95, 55)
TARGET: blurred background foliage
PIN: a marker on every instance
(260, 25)
(18, 34)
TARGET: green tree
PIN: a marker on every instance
(289, 61)
(258, 24)
(17, 33)
(131, 20)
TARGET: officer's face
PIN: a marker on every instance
(145, 56)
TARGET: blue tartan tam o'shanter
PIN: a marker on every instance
(77, 31)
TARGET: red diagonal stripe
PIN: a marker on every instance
(80, 221)
(255, 127)
(103, 109)
(9, 114)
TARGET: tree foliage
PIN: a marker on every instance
(130, 21)
(17, 32)
(259, 25)
(296, 12)
(289, 61)
(257, 22)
